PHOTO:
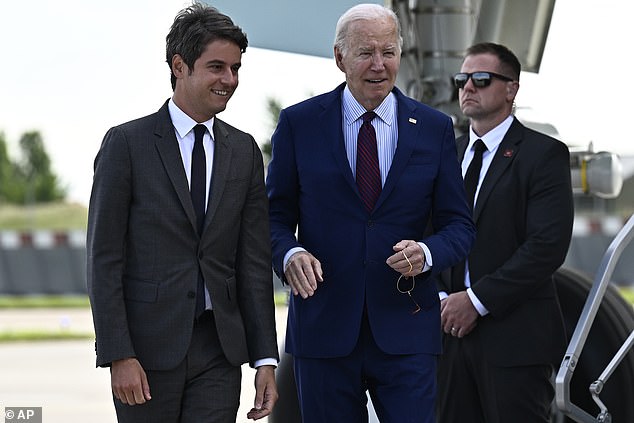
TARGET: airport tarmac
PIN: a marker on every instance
(60, 376)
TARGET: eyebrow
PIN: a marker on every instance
(221, 62)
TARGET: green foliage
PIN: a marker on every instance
(6, 170)
(274, 107)
(31, 179)
(627, 293)
(52, 216)
(42, 335)
(44, 301)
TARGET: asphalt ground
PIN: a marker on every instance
(60, 376)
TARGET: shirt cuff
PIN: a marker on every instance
(428, 260)
(265, 362)
(482, 310)
(290, 253)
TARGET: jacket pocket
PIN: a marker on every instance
(231, 288)
(140, 290)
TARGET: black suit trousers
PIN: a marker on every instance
(471, 390)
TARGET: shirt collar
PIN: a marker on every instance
(183, 123)
(353, 110)
(494, 137)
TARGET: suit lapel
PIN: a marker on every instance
(409, 127)
(334, 134)
(221, 165)
(504, 156)
(167, 146)
(461, 147)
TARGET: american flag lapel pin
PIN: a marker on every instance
(412, 120)
(508, 153)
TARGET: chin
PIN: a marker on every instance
(218, 108)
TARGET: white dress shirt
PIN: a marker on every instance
(492, 140)
(184, 125)
(184, 128)
(386, 127)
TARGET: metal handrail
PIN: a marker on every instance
(580, 335)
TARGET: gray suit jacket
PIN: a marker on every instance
(144, 251)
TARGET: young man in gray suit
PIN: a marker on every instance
(180, 279)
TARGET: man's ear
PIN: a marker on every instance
(178, 66)
(339, 60)
(511, 90)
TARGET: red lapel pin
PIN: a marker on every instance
(508, 153)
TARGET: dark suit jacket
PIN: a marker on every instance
(311, 188)
(144, 250)
(523, 216)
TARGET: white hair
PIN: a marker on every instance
(360, 12)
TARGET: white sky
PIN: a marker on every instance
(72, 69)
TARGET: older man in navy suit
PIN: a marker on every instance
(360, 172)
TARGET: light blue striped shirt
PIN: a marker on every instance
(384, 123)
(386, 128)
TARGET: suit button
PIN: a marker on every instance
(191, 294)
(370, 223)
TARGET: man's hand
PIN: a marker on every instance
(458, 316)
(302, 272)
(129, 382)
(409, 259)
(265, 393)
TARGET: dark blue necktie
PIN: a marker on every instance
(198, 194)
(368, 174)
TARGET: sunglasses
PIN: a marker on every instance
(480, 79)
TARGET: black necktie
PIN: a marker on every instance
(368, 174)
(473, 172)
(197, 191)
(199, 176)
(470, 184)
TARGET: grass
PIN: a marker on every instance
(62, 301)
(281, 299)
(52, 216)
(44, 301)
(42, 335)
(67, 216)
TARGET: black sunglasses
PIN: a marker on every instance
(480, 79)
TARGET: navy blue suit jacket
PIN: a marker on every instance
(311, 188)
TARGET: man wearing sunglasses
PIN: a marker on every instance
(500, 313)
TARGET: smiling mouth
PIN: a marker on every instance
(223, 93)
(376, 81)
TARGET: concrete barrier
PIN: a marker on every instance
(49, 262)
(42, 262)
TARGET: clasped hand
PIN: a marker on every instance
(409, 259)
(458, 316)
(303, 271)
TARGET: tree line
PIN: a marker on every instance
(29, 178)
